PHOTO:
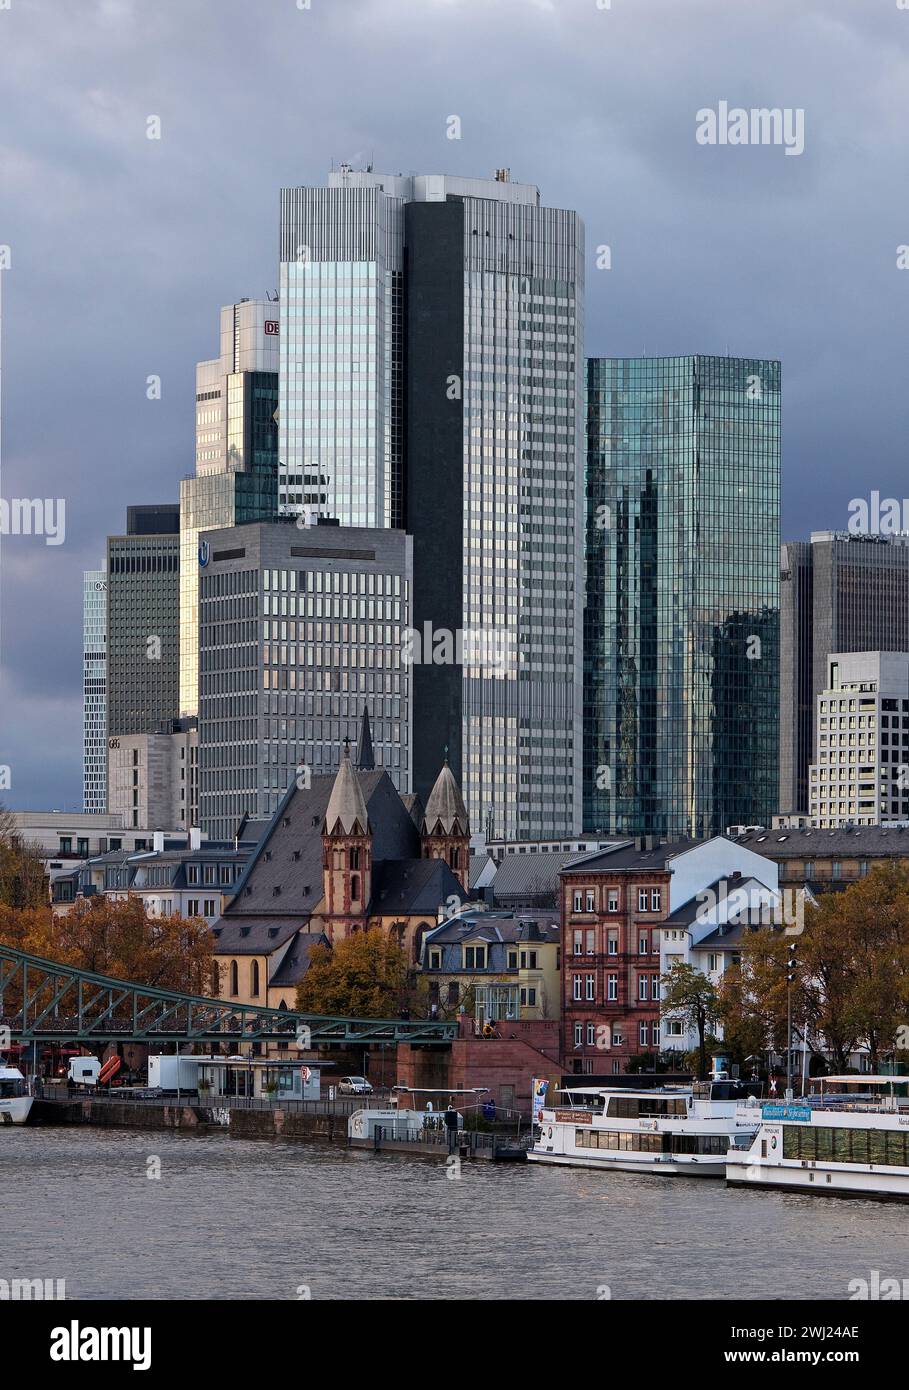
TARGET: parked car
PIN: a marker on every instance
(354, 1086)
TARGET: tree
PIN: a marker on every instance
(23, 879)
(855, 964)
(114, 937)
(851, 985)
(364, 975)
(691, 997)
(752, 997)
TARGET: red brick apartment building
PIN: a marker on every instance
(612, 905)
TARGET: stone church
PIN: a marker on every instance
(344, 854)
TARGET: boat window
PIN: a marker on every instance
(619, 1141)
(823, 1143)
(640, 1107)
(9, 1090)
(699, 1144)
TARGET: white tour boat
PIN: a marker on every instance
(838, 1143)
(665, 1130)
(15, 1101)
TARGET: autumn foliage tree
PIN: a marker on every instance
(114, 937)
(692, 998)
(852, 979)
(23, 881)
(365, 975)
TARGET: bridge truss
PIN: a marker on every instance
(45, 1001)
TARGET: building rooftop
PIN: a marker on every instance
(809, 842)
(630, 858)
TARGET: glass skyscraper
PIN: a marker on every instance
(94, 691)
(681, 628)
(143, 651)
(236, 477)
(341, 352)
(432, 377)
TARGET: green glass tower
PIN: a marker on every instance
(681, 627)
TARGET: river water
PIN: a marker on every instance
(242, 1219)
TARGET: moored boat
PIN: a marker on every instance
(840, 1142)
(669, 1130)
(15, 1101)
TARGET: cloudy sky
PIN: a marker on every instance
(122, 248)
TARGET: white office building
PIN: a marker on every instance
(861, 775)
(94, 691)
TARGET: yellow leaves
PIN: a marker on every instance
(364, 975)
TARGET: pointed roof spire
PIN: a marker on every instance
(445, 806)
(346, 806)
(366, 759)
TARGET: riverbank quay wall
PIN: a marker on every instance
(326, 1124)
(504, 1063)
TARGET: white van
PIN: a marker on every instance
(83, 1071)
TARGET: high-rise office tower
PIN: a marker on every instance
(94, 691)
(432, 376)
(301, 631)
(681, 681)
(859, 775)
(838, 593)
(236, 457)
(342, 349)
(143, 651)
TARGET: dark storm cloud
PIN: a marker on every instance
(124, 248)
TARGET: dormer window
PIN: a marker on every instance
(435, 959)
(474, 957)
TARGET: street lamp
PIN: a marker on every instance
(792, 966)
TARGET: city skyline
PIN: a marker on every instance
(805, 278)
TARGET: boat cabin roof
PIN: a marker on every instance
(624, 1091)
(869, 1080)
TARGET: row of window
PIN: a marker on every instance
(585, 943)
(583, 987)
(816, 1143)
(585, 899)
(604, 1035)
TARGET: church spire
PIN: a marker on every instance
(346, 806)
(366, 760)
(446, 813)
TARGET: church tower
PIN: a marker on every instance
(446, 832)
(346, 853)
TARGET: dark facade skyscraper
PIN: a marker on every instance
(432, 377)
(681, 652)
(838, 593)
(143, 648)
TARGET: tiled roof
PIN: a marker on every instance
(284, 875)
(252, 936)
(531, 875)
(860, 842)
(407, 887)
(628, 858)
(296, 962)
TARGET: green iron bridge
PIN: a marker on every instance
(44, 1001)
